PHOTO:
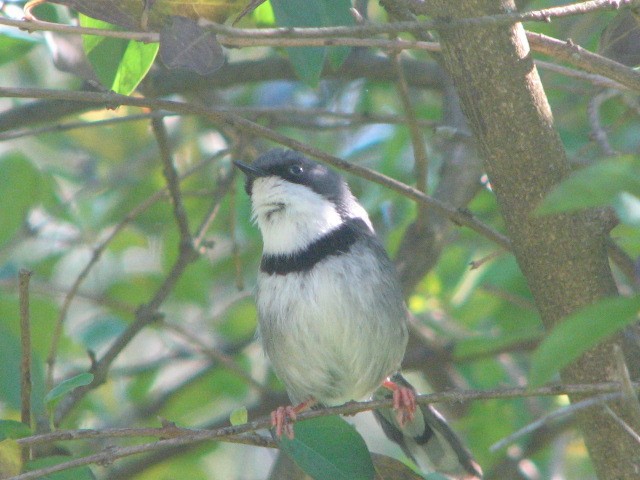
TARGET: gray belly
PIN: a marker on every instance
(333, 333)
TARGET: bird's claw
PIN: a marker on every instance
(282, 420)
(404, 401)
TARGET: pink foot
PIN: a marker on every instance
(404, 401)
(282, 418)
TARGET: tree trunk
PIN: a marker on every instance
(563, 257)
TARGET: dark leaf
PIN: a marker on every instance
(329, 448)
(183, 44)
(620, 41)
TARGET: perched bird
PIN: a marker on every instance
(332, 318)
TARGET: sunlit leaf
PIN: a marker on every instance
(119, 64)
(239, 416)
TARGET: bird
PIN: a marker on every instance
(331, 315)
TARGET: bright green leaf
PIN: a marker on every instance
(329, 448)
(239, 416)
(263, 14)
(579, 332)
(68, 385)
(119, 64)
(593, 186)
(136, 62)
(19, 191)
(13, 429)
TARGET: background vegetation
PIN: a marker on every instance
(137, 232)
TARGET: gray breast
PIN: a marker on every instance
(335, 332)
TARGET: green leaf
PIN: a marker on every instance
(13, 429)
(263, 14)
(20, 184)
(308, 61)
(329, 448)
(580, 331)
(596, 185)
(68, 385)
(239, 416)
(119, 64)
(15, 45)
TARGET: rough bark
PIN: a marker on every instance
(563, 257)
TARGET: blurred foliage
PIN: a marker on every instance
(67, 195)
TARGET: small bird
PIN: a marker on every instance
(332, 318)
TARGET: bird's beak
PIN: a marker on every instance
(249, 170)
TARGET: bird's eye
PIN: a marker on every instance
(295, 170)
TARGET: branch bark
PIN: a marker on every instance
(563, 257)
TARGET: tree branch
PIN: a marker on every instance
(228, 119)
(176, 436)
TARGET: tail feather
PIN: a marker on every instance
(428, 440)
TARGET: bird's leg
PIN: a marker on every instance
(282, 418)
(404, 401)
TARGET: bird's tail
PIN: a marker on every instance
(427, 439)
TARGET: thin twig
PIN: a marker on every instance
(622, 423)
(25, 364)
(631, 397)
(322, 118)
(173, 182)
(215, 355)
(143, 315)
(186, 436)
(598, 133)
(417, 139)
(458, 216)
(357, 31)
(592, 78)
(585, 60)
(558, 414)
(233, 232)
(475, 264)
(223, 186)
(95, 257)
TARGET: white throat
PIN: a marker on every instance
(290, 216)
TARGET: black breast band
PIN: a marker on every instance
(336, 242)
